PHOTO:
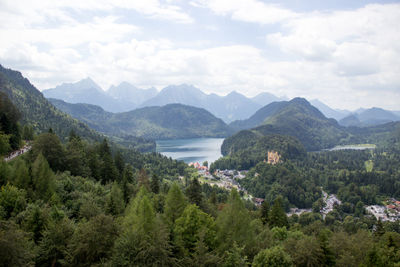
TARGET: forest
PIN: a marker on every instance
(81, 202)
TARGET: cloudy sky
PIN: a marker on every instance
(345, 53)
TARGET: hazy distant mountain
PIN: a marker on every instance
(126, 92)
(328, 111)
(123, 97)
(183, 94)
(167, 122)
(230, 107)
(266, 98)
(351, 120)
(85, 91)
(369, 117)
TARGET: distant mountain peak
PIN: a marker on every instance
(88, 83)
(300, 100)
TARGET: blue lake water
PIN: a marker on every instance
(191, 150)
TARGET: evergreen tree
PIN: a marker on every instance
(119, 163)
(144, 241)
(52, 249)
(277, 215)
(328, 257)
(75, 156)
(264, 212)
(115, 203)
(155, 184)
(4, 144)
(27, 132)
(175, 204)
(127, 183)
(12, 201)
(92, 242)
(193, 192)
(42, 178)
(143, 179)
(21, 176)
(16, 248)
(234, 225)
(190, 226)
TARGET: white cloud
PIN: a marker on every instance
(344, 58)
(247, 10)
(37, 11)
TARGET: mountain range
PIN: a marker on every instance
(170, 121)
(126, 97)
(233, 106)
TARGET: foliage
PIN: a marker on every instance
(166, 122)
(272, 257)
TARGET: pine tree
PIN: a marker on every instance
(115, 203)
(175, 204)
(155, 184)
(193, 192)
(233, 223)
(277, 216)
(190, 225)
(119, 163)
(264, 212)
(144, 241)
(21, 175)
(143, 179)
(42, 178)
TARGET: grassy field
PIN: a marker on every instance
(369, 165)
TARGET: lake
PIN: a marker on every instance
(191, 150)
(353, 147)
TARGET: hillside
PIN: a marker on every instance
(298, 118)
(37, 111)
(259, 117)
(167, 122)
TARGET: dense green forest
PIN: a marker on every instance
(79, 203)
(167, 122)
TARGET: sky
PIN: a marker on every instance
(344, 53)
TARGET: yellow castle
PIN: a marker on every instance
(273, 157)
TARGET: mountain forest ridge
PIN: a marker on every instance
(233, 106)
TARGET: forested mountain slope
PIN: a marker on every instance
(167, 122)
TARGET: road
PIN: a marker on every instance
(18, 152)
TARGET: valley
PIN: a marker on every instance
(287, 170)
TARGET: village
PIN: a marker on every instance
(228, 179)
